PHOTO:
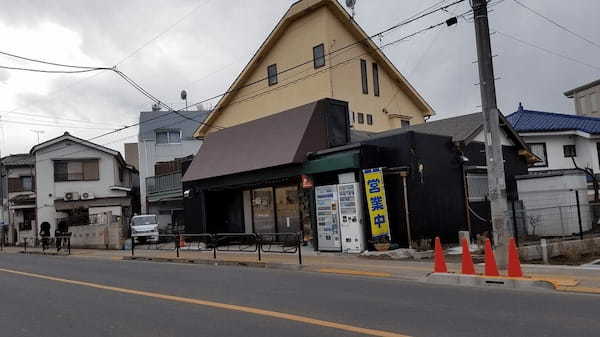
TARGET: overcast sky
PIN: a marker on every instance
(214, 39)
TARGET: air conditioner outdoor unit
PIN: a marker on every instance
(70, 196)
(87, 195)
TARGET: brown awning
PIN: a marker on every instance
(62, 205)
(279, 139)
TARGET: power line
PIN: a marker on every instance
(554, 22)
(368, 38)
(546, 50)
(171, 110)
(53, 125)
(51, 117)
(53, 93)
(54, 71)
(46, 62)
(340, 63)
(157, 36)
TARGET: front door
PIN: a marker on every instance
(288, 209)
(263, 210)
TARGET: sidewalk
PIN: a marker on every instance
(565, 278)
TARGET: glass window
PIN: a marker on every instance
(91, 170)
(60, 171)
(263, 210)
(369, 119)
(363, 74)
(174, 137)
(595, 102)
(319, 56)
(288, 209)
(539, 150)
(272, 74)
(569, 151)
(27, 183)
(76, 170)
(375, 79)
(162, 137)
(168, 137)
(404, 123)
(361, 118)
(477, 186)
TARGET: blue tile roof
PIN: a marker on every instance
(539, 121)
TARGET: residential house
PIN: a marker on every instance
(586, 99)
(317, 50)
(17, 176)
(252, 177)
(132, 156)
(561, 141)
(76, 179)
(165, 140)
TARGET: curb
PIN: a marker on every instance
(43, 253)
(265, 265)
(486, 281)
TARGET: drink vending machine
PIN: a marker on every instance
(328, 228)
(340, 219)
(351, 218)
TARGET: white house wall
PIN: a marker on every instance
(503, 139)
(587, 155)
(48, 190)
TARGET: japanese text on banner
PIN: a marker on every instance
(375, 191)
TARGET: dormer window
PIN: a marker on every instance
(168, 137)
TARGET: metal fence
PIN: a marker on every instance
(59, 243)
(555, 221)
(281, 243)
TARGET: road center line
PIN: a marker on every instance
(225, 306)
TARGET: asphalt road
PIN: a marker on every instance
(159, 299)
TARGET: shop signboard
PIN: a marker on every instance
(375, 192)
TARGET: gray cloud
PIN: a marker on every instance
(204, 53)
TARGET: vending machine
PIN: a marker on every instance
(328, 228)
(351, 218)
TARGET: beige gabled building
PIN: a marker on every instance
(317, 51)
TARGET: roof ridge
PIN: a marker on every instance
(595, 119)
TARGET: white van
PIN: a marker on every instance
(144, 228)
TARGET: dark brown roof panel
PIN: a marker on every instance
(279, 139)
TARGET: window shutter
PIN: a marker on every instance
(90, 170)
(14, 185)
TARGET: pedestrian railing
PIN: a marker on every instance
(282, 243)
(59, 242)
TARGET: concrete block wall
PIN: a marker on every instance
(534, 252)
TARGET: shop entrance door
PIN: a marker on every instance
(263, 210)
(288, 209)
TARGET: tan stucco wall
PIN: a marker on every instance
(306, 84)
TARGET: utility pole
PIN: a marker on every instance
(491, 127)
(38, 132)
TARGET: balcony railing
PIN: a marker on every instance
(164, 183)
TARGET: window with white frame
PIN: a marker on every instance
(168, 137)
(539, 150)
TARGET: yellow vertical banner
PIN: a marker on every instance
(375, 191)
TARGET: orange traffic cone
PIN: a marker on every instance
(514, 265)
(440, 263)
(467, 266)
(181, 242)
(491, 269)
